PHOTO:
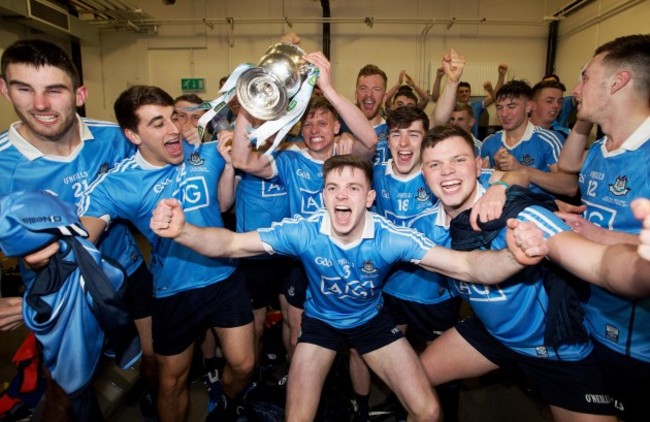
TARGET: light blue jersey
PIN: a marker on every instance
(477, 109)
(538, 148)
(609, 181)
(514, 311)
(382, 152)
(132, 190)
(259, 202)
(304, 176)
(400, 199)
(345, 281)
(23, 167)
(414, 284)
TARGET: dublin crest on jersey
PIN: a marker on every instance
(527, 160)
(619, 188)
(422, 195)
(195, 159)
(368, 267)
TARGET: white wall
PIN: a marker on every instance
(582, 33)
(179, 51)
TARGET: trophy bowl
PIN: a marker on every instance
(265, 90)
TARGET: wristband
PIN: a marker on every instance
(502, 183)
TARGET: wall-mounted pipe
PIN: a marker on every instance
(325, 4)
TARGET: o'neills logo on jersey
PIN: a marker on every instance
(103, 169)
(195, 159)
(368, 267)
(422, 195)
(43, 219)
(619, 188)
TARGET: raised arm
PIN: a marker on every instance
(351, 114)
(168, 220)
(388, 98)
(243, 156)
(453, 65)
(424, 97)
(574, 150)
(490, 98)
(435, 90)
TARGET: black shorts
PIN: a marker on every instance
(425, 321)
(182, 318)
(578, 386)
(374, 334)
(295, 287)
(629, 380)
(138, 294)
(265, 279)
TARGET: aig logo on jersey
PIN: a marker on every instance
(344, 289)
(194, 194)
(310, 202)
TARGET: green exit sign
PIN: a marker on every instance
(193, 84)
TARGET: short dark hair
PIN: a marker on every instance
(405, 91)
(632, 51)
(464, 84)
(441, 132)
(404, 116)
(371, 69)
(516, 88)
(39, 53)
(130, 100)
(190, 98)
(319, 103)
(338, 162)
(464, 107)
(549, 83)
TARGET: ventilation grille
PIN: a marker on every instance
(477, 74)
(49, 14)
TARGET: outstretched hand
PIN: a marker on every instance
(168, 218)
(526, 242)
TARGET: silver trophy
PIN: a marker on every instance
(264, 91)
